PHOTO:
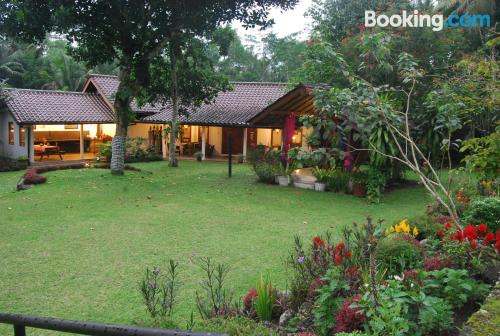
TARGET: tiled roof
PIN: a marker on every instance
(57, 107)
(109, 85)
(231, 108)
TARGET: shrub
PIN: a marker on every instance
(436, 317)
(266, 172)
(159, 291)
(214, 299)
(454, 286)
(426, 226)
(486, 210)
(349, 318)
(436, 263)
(375, 184)
(396, 254)
(321, 175)
(330, 298)
(32, 177)
(338, 181)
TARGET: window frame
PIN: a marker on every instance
(12, 136)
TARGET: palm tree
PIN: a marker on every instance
(468, 6)
(8, 67)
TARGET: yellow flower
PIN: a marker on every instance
(391, 229)
(415, 231)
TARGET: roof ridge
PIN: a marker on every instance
(259, 83)
(51, 91)
(102, 75)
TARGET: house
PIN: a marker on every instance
(56, 125)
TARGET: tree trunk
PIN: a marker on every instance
(122, 118)
(172, 161)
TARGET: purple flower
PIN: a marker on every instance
(300, 259)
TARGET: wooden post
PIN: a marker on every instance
(230, 154)
(203, 142)
(82, 150)
(19, 330)
(245, 131)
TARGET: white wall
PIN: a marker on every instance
(12, 151)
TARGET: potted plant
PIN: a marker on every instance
(322, 176)
(359, 181)
(198, 156)
(283, 175)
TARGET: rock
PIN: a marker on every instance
(285, 317)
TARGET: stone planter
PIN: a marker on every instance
(319, 186)
(359, 189)
(283, 181)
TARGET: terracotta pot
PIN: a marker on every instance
(359, 189)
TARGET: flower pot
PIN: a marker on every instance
(319, 186)
(359, 189)
(283, 181)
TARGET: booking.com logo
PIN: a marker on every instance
(415, 19)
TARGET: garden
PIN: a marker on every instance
(404, 139)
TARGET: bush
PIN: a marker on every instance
(266, 172)
(338, 181)
(32, 177)
(426, 226)
(486, 210)
(375, 184)
(348, 318)
(159, 291)
(398, 253)
(454, 286)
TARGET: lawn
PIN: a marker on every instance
(78, 246)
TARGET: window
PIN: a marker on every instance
(22, 136)
(11, 133)
(276, 137)
(186, 134)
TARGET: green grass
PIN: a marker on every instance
(77, 246)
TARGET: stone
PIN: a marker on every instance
(285, 317)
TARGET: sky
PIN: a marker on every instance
(286, 23)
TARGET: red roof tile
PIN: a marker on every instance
(57, 107)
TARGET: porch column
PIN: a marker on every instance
(203, 141)
(31, 144)
(164, 142)
(82, 151)
(245, 144)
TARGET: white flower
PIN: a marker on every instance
(398, 278)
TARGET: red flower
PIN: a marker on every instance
(441, 233)
(447, 226)
(482, 228)
(473, 244)
(338, 258)
(490, 237)
(339, 247)
(497, 245)
(249, 299)
(458, 235)
(347, 254)
(318, 242)
(470, 232)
